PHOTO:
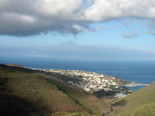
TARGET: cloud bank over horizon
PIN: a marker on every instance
(24, 18)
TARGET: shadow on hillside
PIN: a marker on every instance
(12, 105)
(102, 94)
(120, 103)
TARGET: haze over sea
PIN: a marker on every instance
(136, 71)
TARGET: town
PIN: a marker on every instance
(92, 82)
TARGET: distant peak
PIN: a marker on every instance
(68, 43)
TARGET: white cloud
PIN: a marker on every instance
(103, 10)
(33, 17)
(78, 28)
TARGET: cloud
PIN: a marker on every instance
(152, 27)
(34, 17)
(152, 32)
(26, 17)
(103, 10)
(130, 35)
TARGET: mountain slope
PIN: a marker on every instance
(87, 100)
(141, 110)
(44, 93)
(137, 99)
(25, 94)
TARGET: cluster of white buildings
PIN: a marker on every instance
(91, 81)
(119, 95)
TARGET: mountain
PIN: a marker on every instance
(70, 50)
(68, 43)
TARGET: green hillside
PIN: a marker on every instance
(87, 100)
(137, 101)
(34, 92)
(28, 92)
(141, 110)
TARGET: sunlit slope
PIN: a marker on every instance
(141, 110)
(24, 93)
(140, 98)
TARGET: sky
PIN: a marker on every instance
(126, 25)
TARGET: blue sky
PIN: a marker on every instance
(126, 24)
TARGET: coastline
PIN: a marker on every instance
(96, 83)
(132, 71)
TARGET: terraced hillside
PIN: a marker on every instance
(27, 92)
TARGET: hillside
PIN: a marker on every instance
(32, 94)
(141, 110)
(87, 100)
(137, 101)
(29, 92)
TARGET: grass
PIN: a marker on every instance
(86, 100)
(140, 98)
(25, 92)
(72, 114)
(43, 97)
(142, 110)
(45, 94)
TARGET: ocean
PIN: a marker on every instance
(136, 71)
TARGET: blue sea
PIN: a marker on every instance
(136, 71)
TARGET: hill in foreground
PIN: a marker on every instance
(141, 102)
(26, 92)
(141, 110)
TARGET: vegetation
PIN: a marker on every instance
(25, 92)
(35, 95)
(141, 110)
(28, 92)
(88, 101)
(71, 114)
(136, 102)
